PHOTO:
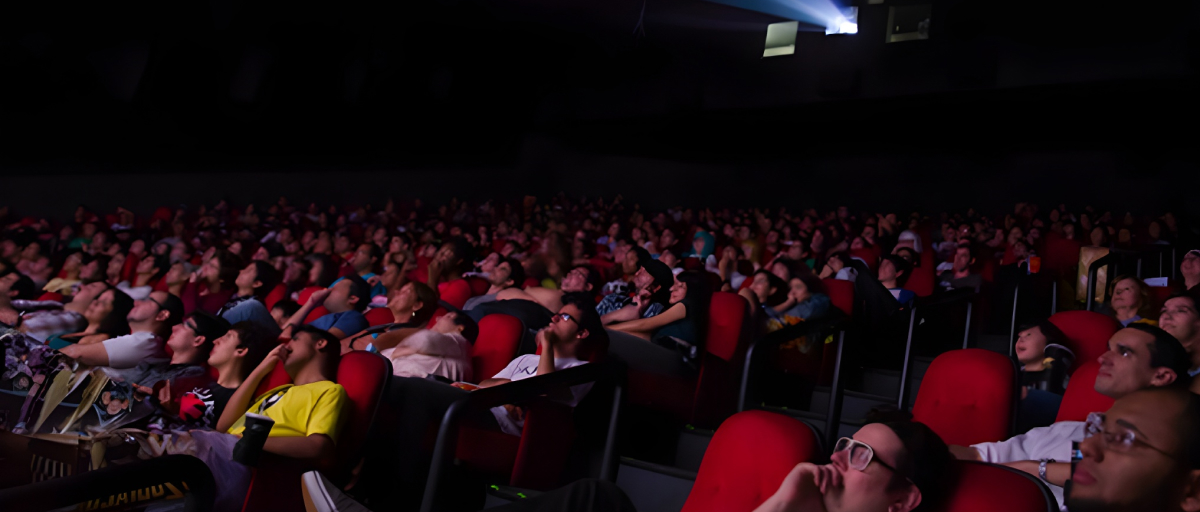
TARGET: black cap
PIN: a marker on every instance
(663, 277)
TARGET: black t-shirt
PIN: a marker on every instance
(220, 396)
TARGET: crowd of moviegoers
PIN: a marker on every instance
(166, 333)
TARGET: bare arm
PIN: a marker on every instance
(314, 301)
(487, 383)
(93, 354)
(624, 314)
(546, 362)
(964, 452)
(318, 448)
(240, 402)
(647, 326)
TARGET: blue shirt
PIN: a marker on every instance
(349, 322)
(254, 312)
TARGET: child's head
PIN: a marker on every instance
(1033, 339)
(283, 310)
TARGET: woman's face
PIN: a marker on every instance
(73, 262)
(668, 258)
(798, 290)
(314, 274)
(1031, 345)
(236, 248)
(761, 286)
(146, 266)
(212, 270)
(100, 307)
(667, 239)
(405, 299)
(781, 271)
(698, 245)
(1126, 295)
(678, 291)
(137, 247)
(115, 265)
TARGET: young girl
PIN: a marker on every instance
(1045, 360)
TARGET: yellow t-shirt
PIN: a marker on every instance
(301, 411)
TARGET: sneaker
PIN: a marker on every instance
(320, 495)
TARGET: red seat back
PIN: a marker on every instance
(923, 279)
(54, 296)
(455, 293)
(379, 316)
(1087, 332)
(726, 316)
(841, 294)
(306, 293)
(985, 487)
(499, 338)
(1159, 295)
(967, 396)
(726, 342)
(1081, 397)
(1060, 255)
(479, 285)
(276, 295)
(747, 460)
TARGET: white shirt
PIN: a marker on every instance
(525, 367)
(448, 355)
(129, 350)
(1052, 442)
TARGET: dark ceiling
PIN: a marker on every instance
(468, 81)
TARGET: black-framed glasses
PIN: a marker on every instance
(562, 317)
(156, 303)
(1118, 437)
(860, 455)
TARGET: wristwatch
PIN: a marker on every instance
(1042, 469)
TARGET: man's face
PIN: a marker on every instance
(183, 335)
(887, 270)
(870, 489)
(7, 282)
(642, 279)
(339, 297)
(1191, 265)
(302, 349)
(247, 277)
(962, 259)
(362, 259)
(630, 265)
(91, 271)
(90, 291)
(489, 263)
(1115, 477)
(499, 276)
(576, 280)
(1125, 368)
(146, 309)
(566, 331)
(1180, 319)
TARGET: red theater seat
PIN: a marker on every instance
(1081, 397)
(455, 293)
(1087, 332)
(1060, 255)
(302, 299)
(499, 338)
(923, 278)
(54, 296)
(747, 460)
(841, 294)
(276, 483)
(479, 285)
(968, 396)
(985, 487)
(276, 295)
(379, 316)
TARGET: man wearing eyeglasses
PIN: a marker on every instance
(150, 322)
(1143, 454)
(1138, 357)
(891, 467)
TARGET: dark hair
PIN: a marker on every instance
(162, 265)
(811, 281)
(266, 274)
(903, 268)
(332, 350)
(257, 342)
(231, 264)
(174, 306)
(209, 326)
(589, 319)
(361, 289)
(781, 288)
(462, 252)
(429, 302)
(24, 286)
(102, 262)
(289, 307)
(376, 253)
(328, 270)
(1189, 424)
(697, 300)
(643, 255)
(927, 461)
(1167, 352)
(116, 323)
(470, 329)
(518, 271)
(916, 257)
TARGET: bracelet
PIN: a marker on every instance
(1042, 469)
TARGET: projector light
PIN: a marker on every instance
(846, 23)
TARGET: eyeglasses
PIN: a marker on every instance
(1118, 438)
(563, 317)
(860, 455)
(156, 303)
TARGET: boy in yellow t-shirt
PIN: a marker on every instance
(308, 412)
